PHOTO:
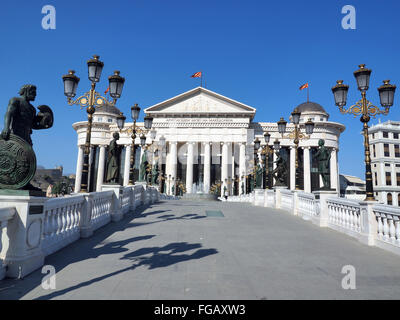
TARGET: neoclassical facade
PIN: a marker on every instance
(209, 140)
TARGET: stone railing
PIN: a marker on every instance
(287, 200)
(344, 215)
(61, 222)
(307, 207)
(388, 227)
(100, 209)
(371, 223)
(6, 214)
(44, 226)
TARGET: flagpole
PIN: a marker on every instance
(201, 78)
(308, 96)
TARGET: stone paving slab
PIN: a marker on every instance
(172, 250)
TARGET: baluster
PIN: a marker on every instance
(392, 230)
(380, 225)
(397, 230)
(385, 228)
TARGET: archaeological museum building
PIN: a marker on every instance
(208, 139)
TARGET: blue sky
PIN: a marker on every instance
(256, 52)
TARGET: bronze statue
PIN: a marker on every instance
(154, 174)
(143, 167)
(280, 172)
(113, 160)
(17, 158)
(323, 156)
(259, 176)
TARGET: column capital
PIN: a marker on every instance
(306, 147)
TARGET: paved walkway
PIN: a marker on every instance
(172, 250)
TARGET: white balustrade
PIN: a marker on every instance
(61, 222)
(388, 224)
(287, 200)
(126, 199)
(345, 214)
(6, 214)
(101, 209)
(306, 204)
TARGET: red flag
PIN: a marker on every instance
(197, 75)
(108, 89)
(304, 86)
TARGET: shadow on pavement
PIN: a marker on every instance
(97, 245)
(159, 257)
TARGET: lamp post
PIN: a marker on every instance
(161, 174)
(91, 100)
(366, 109)
(134, 131)
(296, 135)
(265, 153)
(135, 110)
(257, 144)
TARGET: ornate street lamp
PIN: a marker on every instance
(162, 142)
(91, 100)
(121, 121)
(296, 135)
(366, 109)
(257, 144)
(265, 153)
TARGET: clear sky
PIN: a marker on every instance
(256, 52)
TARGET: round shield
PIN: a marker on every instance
(17, 163)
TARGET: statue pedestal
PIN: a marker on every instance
(21, 251)
(278, 196)
(322, 196)
(116, 214)
(259, 197)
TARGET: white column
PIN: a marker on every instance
(174, 158)
(307, 169)
(79, 167)
(242, 165)
(100, 171)
(292, 168)
(207, 167)
(224, 166)
(127, 164)
(230, 168)
(333, 170)
(189, 167)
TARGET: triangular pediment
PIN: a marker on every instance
(200, 101)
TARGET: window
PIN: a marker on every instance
(376, 179)
(397, 165)
(388, 179)
(373, 149)
(398, 200)
(395, 135)
(373, 135)
(387, 164)
(100, 119)
(397, 151)
(386, 149)
(385, 134)
(109, 120)
(398, 178)
(389, 199)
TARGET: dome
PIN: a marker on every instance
(108, 108)
(311, 107)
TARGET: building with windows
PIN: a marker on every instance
(384, 139)
(209, 140)
(352, 187)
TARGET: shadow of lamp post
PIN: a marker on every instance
(366, 109)
(91, 100)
